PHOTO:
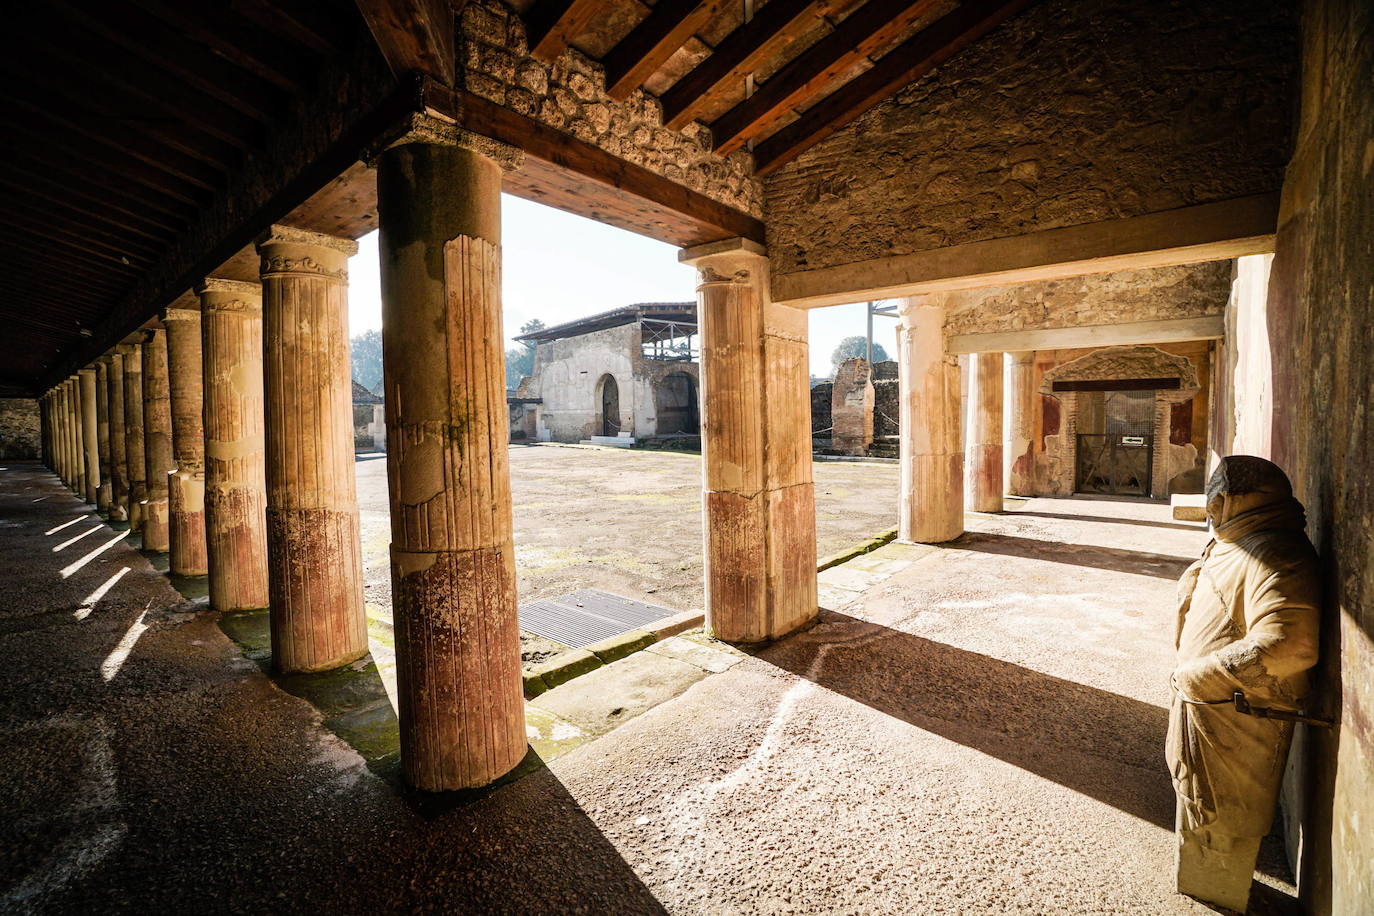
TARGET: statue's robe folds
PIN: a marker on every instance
(1247, 620)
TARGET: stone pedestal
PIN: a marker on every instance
(985, 437)
(102, 432)
(186, 485)
(932, 456)
(459, 683)
(133, 433)
(314, 556)
(1021, 396)
(157, 440)
(119, 468)
(756, 448)
(235, 482)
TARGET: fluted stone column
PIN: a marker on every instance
(986, 434)
(460, 688)
(78, 438)
(119, 469)
(186, 484)
(1021, 398)
(67, 433)
(756, 448)
(102, 432)
(931, 469)
(157, 440)
(235, 482)
(59, 396)
(135, 456)
(314, 555)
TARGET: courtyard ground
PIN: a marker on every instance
(972, 728)
(626, 521)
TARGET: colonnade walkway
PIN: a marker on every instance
(976, 728)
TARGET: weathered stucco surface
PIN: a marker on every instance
(570, 95)
(568, 374)
(1156, 294)
(1073, 112)
(1320, 325)
(19, 428)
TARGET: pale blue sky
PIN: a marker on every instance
(558, 266)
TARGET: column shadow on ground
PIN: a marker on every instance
(1101, 744)
(1138, 562)
(1108, 519)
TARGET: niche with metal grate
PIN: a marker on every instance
(586, 616)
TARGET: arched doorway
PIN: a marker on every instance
(675, 404)
(610, 406)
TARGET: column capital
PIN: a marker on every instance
(733, 260)
(291, 251)
(424, 127)
(180, 314)
(234, 287)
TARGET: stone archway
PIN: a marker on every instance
(609, 399)
(1172, 379)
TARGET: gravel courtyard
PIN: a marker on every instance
(626, 521)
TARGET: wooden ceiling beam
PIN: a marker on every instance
(37, 223)
(317, 26)
(863, 32)
(911, 60)
(42, 184)
(217, 31)
(54, 302)
(125, 26)
(415, 36)
(123, 243)
(175, 165)
(111, 279)
(100, 168)
(588, 180)
(551, 25)
(740, 53)
(649, 45)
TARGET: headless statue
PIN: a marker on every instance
(1247, 621)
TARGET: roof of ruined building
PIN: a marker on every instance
(681, 312)
(364, 395)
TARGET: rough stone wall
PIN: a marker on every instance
(886, 407)
(570, 95)
(851, 407)
(19, 428)
(1321, 348)
(1156, 294)
(1074, 111)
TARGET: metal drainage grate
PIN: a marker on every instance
(586, 616)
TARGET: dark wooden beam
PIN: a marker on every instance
(550, 25)
(911, 60)
(865, 31)
(585, 179)
(87, 200)
(216, 30)
(667, 27)
(415, 36)
(739, 54)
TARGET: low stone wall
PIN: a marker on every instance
(20, 435)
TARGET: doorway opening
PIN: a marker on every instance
(1115, 442)
(675, 405)
(610, 406)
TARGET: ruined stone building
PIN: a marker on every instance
(626, 374)
(1159, 212)
(369, 419)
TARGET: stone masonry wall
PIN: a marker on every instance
(1181, 291)
(1073, 112)
(1320, 329)
(570, 96)
(19, 428)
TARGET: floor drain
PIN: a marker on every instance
(586, 616)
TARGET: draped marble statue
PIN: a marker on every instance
(1247, 621)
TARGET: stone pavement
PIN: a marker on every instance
(972, 729)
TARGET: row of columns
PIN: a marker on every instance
(237, 456)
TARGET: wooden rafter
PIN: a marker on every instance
(415, 36)
(914, 58)
(551, 25)
(739, 54)
(652, 42)
(866, 31)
